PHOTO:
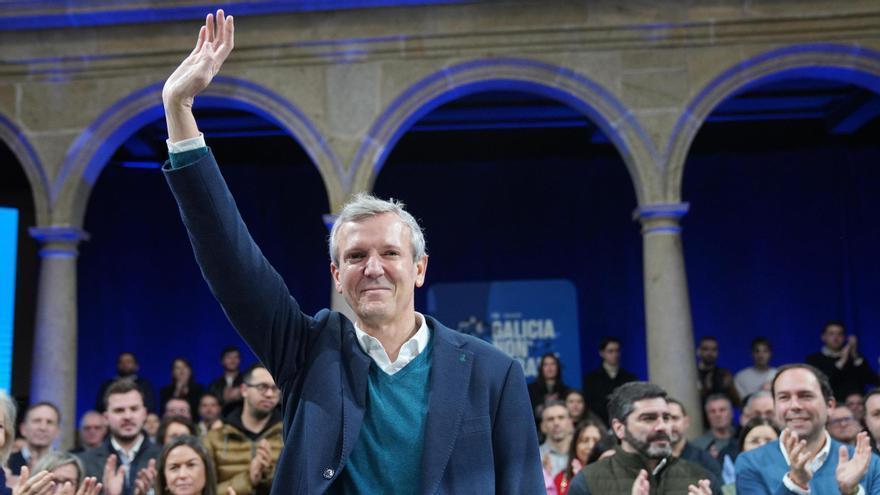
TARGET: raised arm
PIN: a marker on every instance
(195, 73)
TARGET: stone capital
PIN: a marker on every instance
(661, 218)
(58, 240)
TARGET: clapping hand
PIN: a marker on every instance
(641, 486)
(798, 456)
(703, 487)
(850, 471)
(40, 484)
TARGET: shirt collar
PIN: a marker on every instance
(408, 351)
(135, 447)
(818, 460)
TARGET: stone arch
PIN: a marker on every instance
(555, 82)
(851, 63)
(88, 155)
(15, 139)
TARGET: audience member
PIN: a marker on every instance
(7, 436)
(758, 405)
(679, 422)
(755, 377)
(151, 427)
(721, 433)
(557, 426)
(209, 412)
(806, 459)
(574, 401)
(183, 386)
(872, 417)
(601, 382)
(177, 407)
(126, 446)
(640, 420)
(605, 447)
(548, 386)
(713, 380)
(40, 428)
(842, 425)
(227, 387)
(92, 431)
(839, 359)
(173, 427)
(246, 449)
(586, 436)
(127, 368)
(855, 401)
(185, 468)
(67, 474)
(756, 432)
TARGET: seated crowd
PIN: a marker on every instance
(811, 427)
(819, 420)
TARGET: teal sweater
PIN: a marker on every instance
(387, 456)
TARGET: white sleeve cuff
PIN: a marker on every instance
(793, 487)
(187, 144)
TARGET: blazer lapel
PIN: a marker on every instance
(356, 368)
(449, 383)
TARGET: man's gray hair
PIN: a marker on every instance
(364, 206)
(9, 410)
(622, 401)
(751, 398)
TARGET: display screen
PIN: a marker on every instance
(8, 249)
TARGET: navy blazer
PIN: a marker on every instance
(480, 434)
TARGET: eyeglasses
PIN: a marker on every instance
(263, 387)
(841, 421)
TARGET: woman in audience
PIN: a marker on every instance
(7, 437)
(185, 468)
(173, 427)
(58, 473)
(586, 436)
(549, 384)
(183, 386)
(756, 432)
(577, 407)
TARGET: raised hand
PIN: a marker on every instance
(703, 487)
(798, 456)
(40, 484)
(193, 75)
(261, 462)
(113, 479)
(89, 486)
(641, 486)
(145, 477)
(850, 471)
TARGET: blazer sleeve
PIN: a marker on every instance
(252, 294)
(514, 439)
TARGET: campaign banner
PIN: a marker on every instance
(524, 318)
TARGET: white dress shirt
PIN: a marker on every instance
(408, 351)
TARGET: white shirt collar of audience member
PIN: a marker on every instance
(410, 349)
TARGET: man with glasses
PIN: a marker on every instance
(246, 449)
(843, 425)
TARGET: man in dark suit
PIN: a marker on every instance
(599, 383)
(393, 402)
(840, 360)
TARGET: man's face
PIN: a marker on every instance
(799, 403)
(842, 425)
(647, 429)
(611, 354)
(40, 427)
(761, 355)
(126, 365)
(231, 361)
(856, 403)
(259, 402)
(376, 272)
(872, 416)
(126, 415)
(759, 406)
(209, 408)
(719, 413)
(178, 407)
(678, 423)
(833, 337)
(708, 352)
(556, 423)
(93, 429)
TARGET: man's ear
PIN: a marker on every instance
(334, 272)
(421, 268)
(619, 428)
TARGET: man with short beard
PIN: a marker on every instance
(805, 459)
(679, 423)
(643, 462)
(245, 449)
(126, 461)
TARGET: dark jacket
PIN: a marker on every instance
(849, 379)
(598, 385)
(94, 459)
(699, 456)
(479, 432)
(615, 475)
(193, 395)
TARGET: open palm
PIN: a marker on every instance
(193, 75)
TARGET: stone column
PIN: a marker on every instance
(337, 302)
(53, 373)
(670, 338)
